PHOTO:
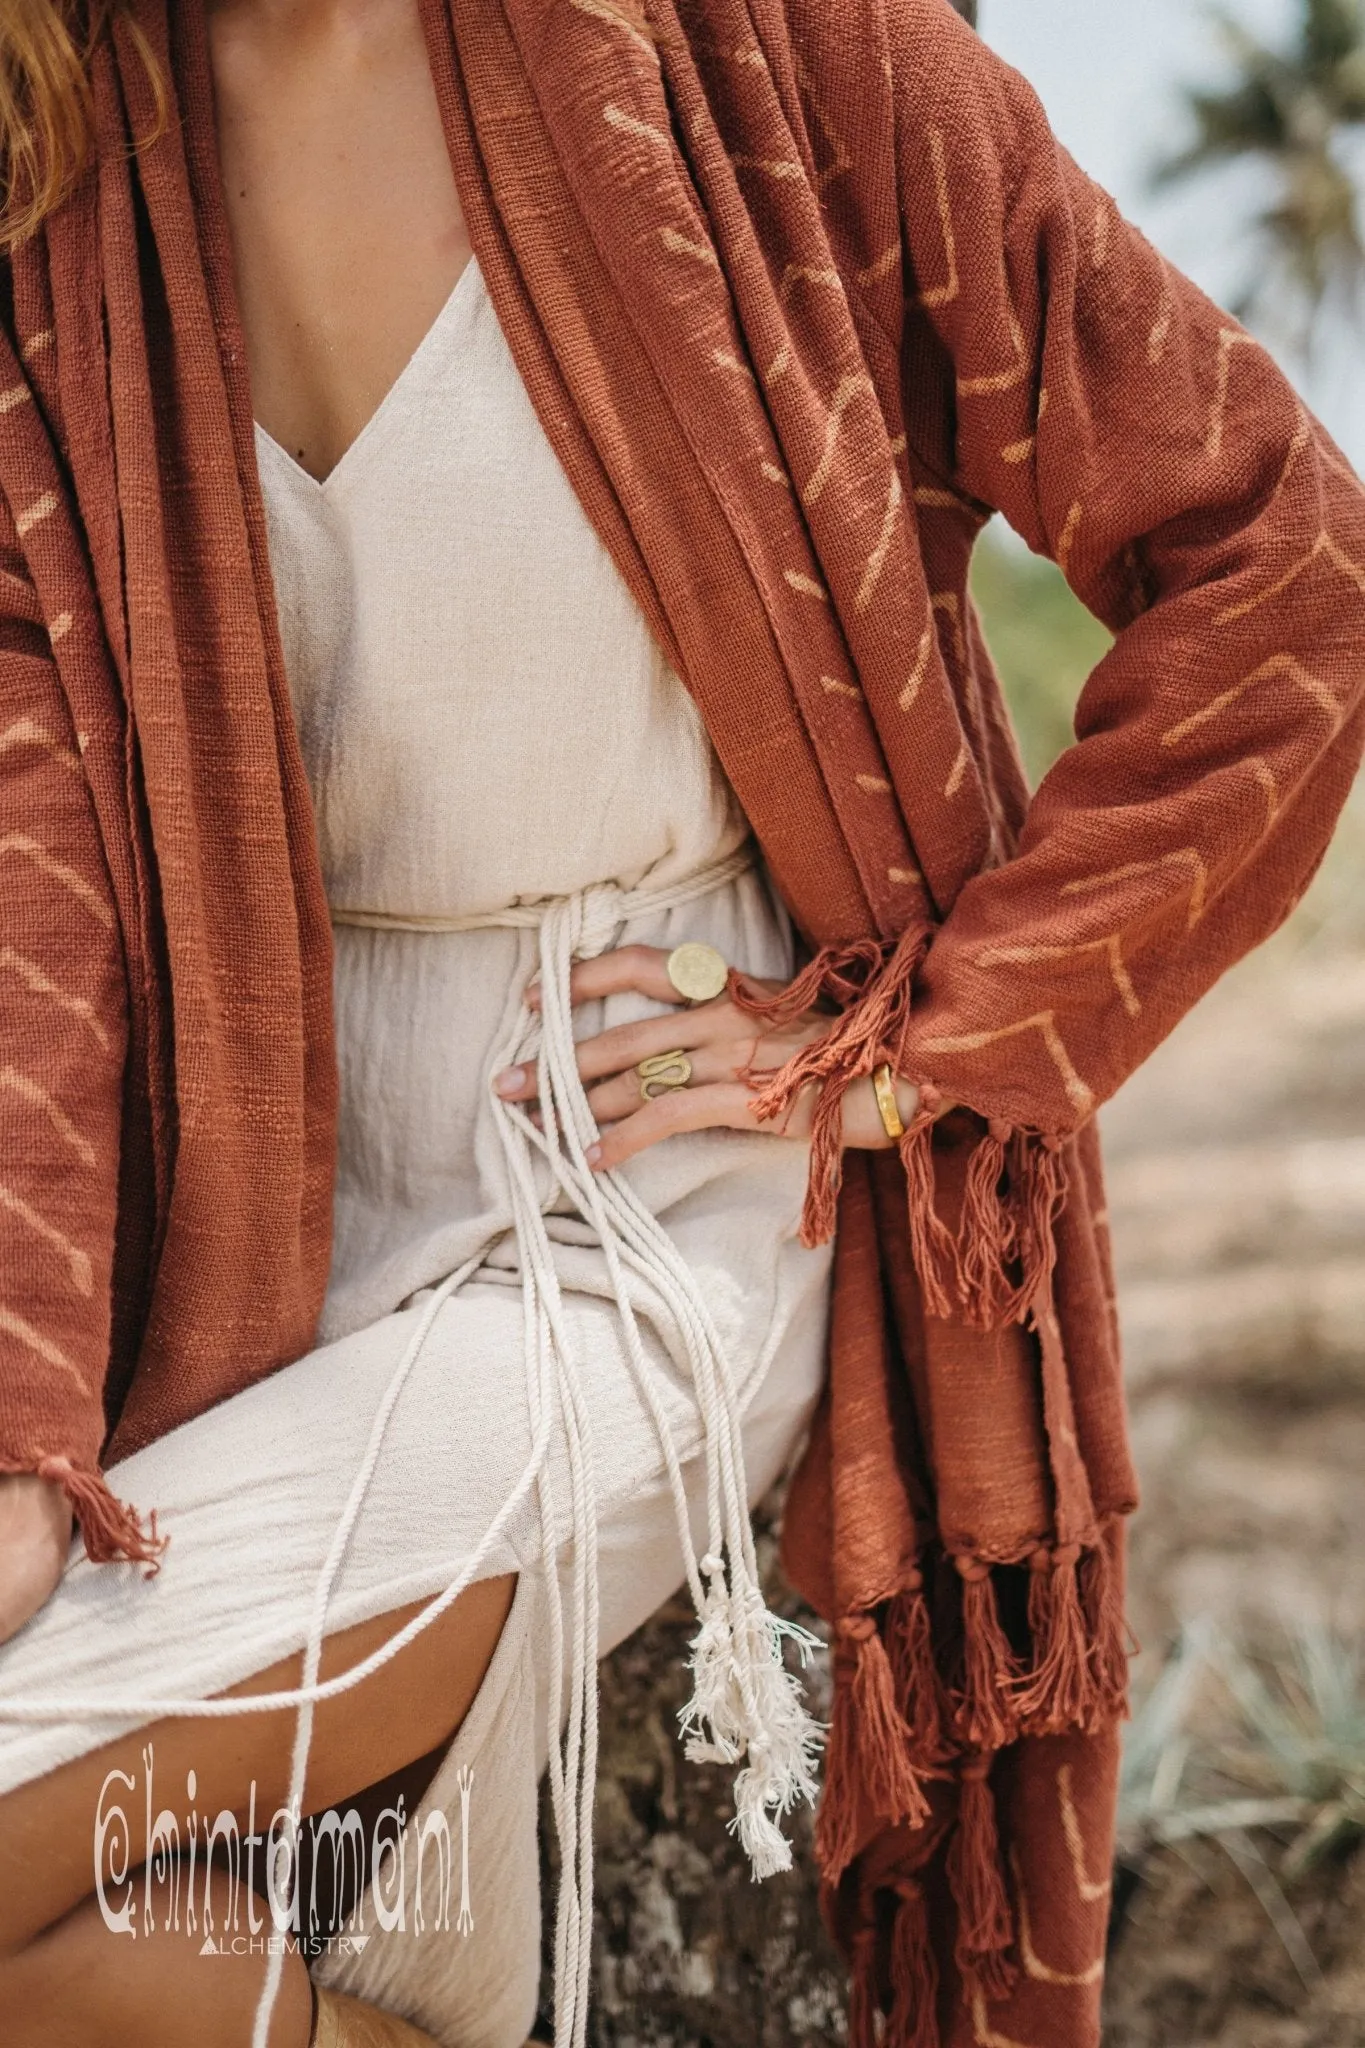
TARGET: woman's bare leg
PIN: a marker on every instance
(67, 1981)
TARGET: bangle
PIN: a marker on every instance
(885, 1090)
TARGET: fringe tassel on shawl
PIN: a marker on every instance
(892, 1704)
(990, 1230)
(985, 1924)
(913, 2019)
(1061, 1692)
(111, 1529)
(937, 1255)
(1042, 1193)
(873, 989)
(894, 1729)
(868, 1761)
(999, 1260)
(919, 1690)
(987, 1716)
(1111, 1643)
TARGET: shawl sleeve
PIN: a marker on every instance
(63, 1014)
(1058, 370)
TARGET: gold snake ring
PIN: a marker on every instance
(662, 1073)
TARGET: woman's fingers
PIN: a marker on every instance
(643, 969)
(705, 1029)
(619, 1095)
(638, 970)
(714, 1098)
(717, 1105)
(720, 1042)
(625, 1045)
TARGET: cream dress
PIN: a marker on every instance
(506, 775)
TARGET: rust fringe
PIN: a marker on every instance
(111, 1529)
(990, 1230)
(1000, 1259)
(1111, 1643)
(919, 1689)
(837, 974)
(864, 2004)
(987, 1717)
(1061, 1692)
(873, 984)
(913, 2020)
(867, 1762)
(1042, 1195)
(985, 1924)
(936, 1252)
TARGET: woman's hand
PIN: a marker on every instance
(721, 1042)
(35, 1535)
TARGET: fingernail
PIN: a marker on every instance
(593, 1155)
(510, 1081)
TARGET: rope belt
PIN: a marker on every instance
(746, 1708)
(603, 907)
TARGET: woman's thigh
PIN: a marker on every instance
(402, 1712)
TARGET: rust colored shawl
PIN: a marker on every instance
(801, 292)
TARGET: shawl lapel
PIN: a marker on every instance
(608, 412)
(756, 373)
(237, 915)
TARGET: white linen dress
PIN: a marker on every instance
(506, 774)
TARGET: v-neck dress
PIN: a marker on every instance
(486, 720)
(506, 775)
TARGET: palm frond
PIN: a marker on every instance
(1290, 110)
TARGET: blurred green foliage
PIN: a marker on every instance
(1044, 642)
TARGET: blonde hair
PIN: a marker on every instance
(46, 106)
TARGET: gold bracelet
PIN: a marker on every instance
(885, 1089)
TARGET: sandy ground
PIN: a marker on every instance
(1237, 1198)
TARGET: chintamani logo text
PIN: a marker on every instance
(261, 1890)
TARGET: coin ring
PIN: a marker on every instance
(662, 1073)
(698, 972)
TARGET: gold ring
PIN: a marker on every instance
(699, 973)
(662, 1073)
(885, 1089)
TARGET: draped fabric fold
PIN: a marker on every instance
(801, 295)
